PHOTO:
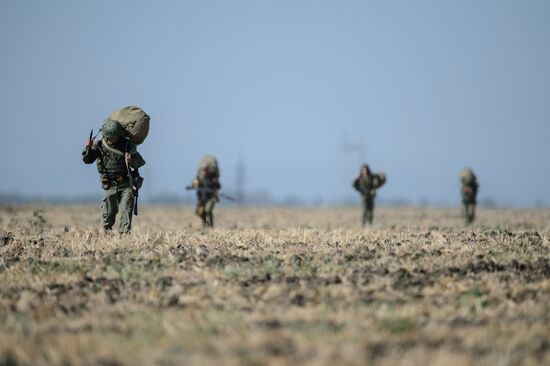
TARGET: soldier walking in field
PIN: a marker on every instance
(468, 191)
(207, 184)
(367, 184)
(117, 162)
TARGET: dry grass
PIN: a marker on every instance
(274, 286)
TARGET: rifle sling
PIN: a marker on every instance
(116, 151)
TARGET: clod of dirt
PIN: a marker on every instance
(202, 251)
(26, 301)
(298, 300)
(270, 323)
(180, 251)
(5, 237)
(334, 280)
(164, 282)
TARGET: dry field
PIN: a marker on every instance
(275, 286)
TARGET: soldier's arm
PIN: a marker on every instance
(90, 155)
(355, 185)
(216, 184)
(137, 161)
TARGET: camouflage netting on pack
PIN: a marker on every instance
(379, 179)
(467, 176)
(209, 163)
(134, 121)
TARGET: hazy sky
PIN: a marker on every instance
(428, 86)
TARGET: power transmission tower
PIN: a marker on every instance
(240, 182)
(358, 147)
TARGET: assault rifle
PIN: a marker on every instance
(91, 138)
(210, 190)
(135, 182)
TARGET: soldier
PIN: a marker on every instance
(207, 185)
(366, 184)
(469, 193)
(114, 156)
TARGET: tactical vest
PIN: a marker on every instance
(209, 186)
(112, 161)
(366, 185)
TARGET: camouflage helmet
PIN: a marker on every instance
(111, 129)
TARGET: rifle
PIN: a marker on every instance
(91, 139)
(135, 190)
(210, 190)
(134, 183)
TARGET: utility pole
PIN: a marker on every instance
(240, 182)
(358, 147)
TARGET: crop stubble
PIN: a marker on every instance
(275, 285)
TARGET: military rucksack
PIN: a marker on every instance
(209, 163)
(379, 179)
(134, 121)
(467, 176)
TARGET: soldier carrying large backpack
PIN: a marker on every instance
(207, 184)
(367, 184)
(118, 162)
(468, 190)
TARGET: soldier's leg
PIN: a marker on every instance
(109, 208)
(200, 212)
(209, 210)
(365, 214)
(125, 209)
(367, 211)
(370, 209)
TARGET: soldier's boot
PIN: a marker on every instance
(370, 217)
(199, 210)
(367, 217)
(210, 219)
(467, 214)
(204, 219)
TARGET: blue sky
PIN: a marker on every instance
(428, 86)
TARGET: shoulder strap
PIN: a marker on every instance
(100, 146)
(116, 151)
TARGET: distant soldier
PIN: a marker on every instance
(117, 162)
(366, 184)
(469, 193)
(207, 185)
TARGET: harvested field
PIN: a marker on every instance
(275, 286)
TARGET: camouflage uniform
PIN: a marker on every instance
(117, 191)
(207, 187)
(469, 193)
(365, 185)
